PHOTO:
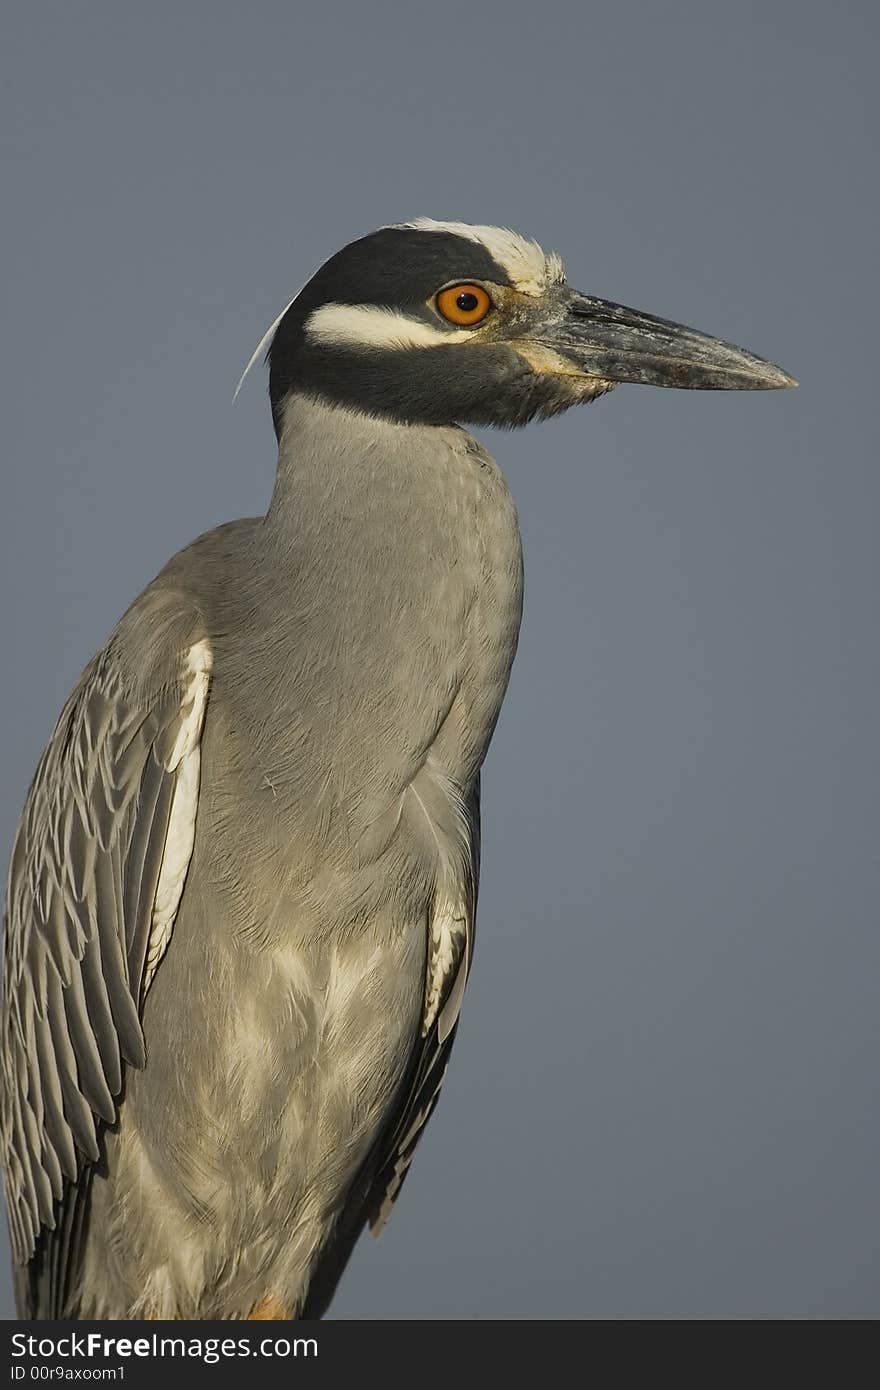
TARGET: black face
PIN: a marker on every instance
(401, 269)
(430, 327)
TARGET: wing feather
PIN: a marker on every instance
(378, 1184)
(84, 877)
(432, 1057)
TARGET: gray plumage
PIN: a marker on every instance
(241, 903)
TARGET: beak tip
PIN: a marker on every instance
(779, 380)
(761, 375)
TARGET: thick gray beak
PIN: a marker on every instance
(620, 344)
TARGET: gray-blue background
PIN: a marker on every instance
(661, 1101)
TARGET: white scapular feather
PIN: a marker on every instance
(185, 760)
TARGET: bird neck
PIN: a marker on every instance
(330, 458)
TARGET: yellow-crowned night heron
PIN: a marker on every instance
(240, 911)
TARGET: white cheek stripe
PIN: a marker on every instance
(367, 325)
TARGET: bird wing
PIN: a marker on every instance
(376, 1188)
(95, 880)
(449, 960)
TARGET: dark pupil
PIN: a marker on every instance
(467, 302)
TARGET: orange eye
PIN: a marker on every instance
(464, 304)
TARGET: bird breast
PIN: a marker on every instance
(356, 703)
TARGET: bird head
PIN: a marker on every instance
(444, 323)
